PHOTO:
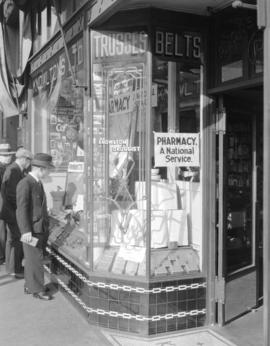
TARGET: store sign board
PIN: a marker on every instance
(185, 45)
(110, 45)
(57, 45)
(46, 78)
(176, 149)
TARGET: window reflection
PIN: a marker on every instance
(176, 221)
(58, 125)
(119, 142)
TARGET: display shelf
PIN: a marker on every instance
(66, 237)
(184, 260)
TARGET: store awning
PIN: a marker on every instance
(24, 5)
(103, 9)
(15, 48)
(7, 105)
(201, 7)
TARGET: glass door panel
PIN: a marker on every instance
(238, 204)
(237, 199)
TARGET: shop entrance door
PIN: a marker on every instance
(239, 156)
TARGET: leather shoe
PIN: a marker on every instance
(17, 275)
(42, 295)
(26, 290)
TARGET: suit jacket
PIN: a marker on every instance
(32, 215)
(2, 171)
(13, 174)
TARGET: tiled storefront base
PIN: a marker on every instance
(142, 308)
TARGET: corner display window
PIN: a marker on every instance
(119, 140)
(176, 222)
(122, 224)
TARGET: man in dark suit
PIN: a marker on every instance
(33, 220)
(13, 174)
(5, 159)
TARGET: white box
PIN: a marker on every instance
(177, 226)
(163, 195)
(159, 229)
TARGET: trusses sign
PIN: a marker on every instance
(176, 149)
(115, 45)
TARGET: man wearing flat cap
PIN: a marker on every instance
(33, 221)
(13, 174)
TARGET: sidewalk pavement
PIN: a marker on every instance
(246, 330)
(26, 321)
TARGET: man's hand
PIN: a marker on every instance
(27, 237)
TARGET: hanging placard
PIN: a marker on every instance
(176, 149)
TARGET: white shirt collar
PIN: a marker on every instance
(32, 175)
(18, 163)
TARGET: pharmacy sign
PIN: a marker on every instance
(177, 149)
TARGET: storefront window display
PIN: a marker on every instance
(57, 121)
(119, 143)
(176, 221)
(122, 223)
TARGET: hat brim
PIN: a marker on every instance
(39, 163)
(7, 153)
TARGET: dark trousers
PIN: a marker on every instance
(33, 268)
(3, 238)
(14, 249)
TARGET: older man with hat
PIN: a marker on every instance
(33, 221)
(6, 155)
(13, 174)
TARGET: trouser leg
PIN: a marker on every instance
(33, 268)
(14, 249)
(9, 253)
(3, 237)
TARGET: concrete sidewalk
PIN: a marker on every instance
(246, 330)
(26, 321)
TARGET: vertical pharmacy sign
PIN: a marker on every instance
(177, 149)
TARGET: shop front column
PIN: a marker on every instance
(266, 176)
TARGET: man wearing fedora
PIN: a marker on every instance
(33, 221)
(5, 159)
(13, 174)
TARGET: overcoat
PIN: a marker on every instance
(32, 215)
(13, 174)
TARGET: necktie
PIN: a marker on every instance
(41, 189)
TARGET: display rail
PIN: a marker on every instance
(125, 288)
